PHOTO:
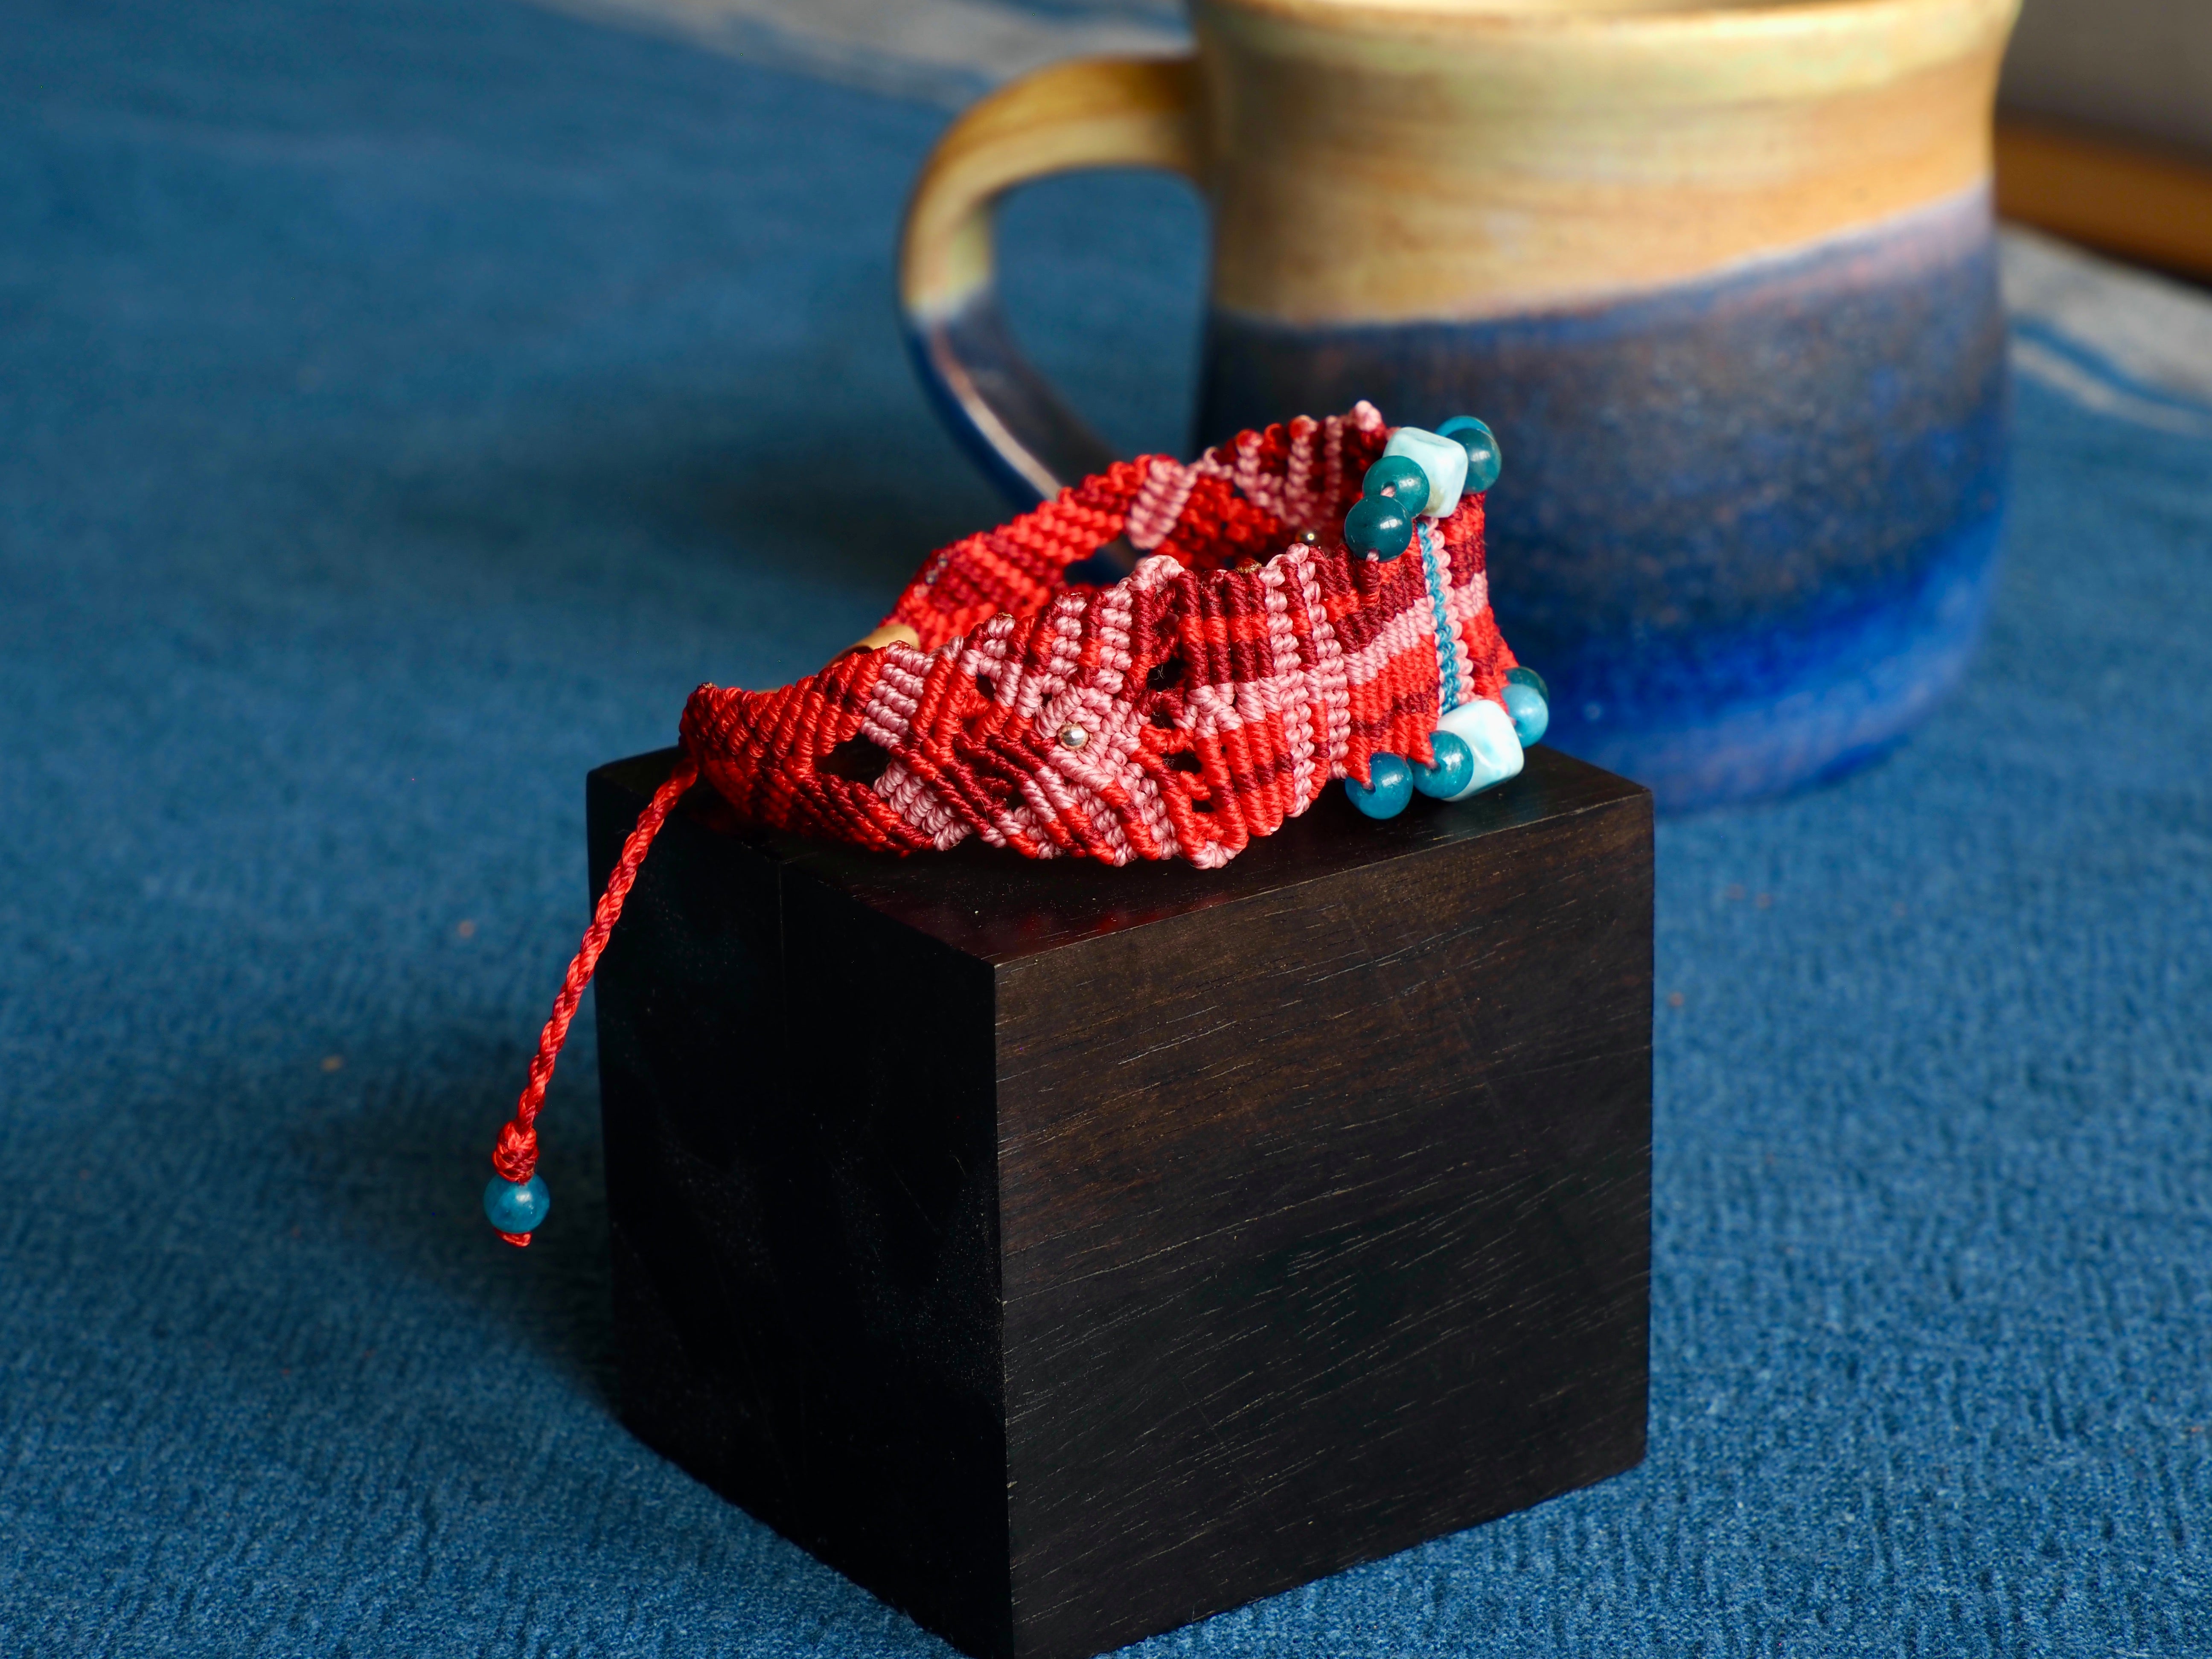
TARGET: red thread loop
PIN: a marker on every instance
(516, 1156)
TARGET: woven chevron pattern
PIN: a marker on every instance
(1248, 660)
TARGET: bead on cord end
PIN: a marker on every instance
(516, 1201)
(515, 1208)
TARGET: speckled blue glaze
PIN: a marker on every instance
(1750, 522)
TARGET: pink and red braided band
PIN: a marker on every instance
(1197, 703)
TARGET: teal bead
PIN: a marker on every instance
(1400, 478)
(1532, 714)
(1390, 786)
(1486, 729)
(1378, 524)
(1529, 677)
(517, 1206)
(1453, 771)
(1481, 445)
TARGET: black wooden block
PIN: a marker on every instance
(1066, 1252)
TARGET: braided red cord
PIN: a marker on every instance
(516, 1156)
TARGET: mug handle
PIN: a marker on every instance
(1099, 112)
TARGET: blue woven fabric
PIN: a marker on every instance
(396, 407)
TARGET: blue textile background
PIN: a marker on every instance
(397, 407)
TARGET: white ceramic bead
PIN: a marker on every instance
(1487, 731)
(1443, 459)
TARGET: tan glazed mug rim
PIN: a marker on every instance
(1531, 52)
(1609, 16)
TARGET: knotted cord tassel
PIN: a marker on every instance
(516, 1156)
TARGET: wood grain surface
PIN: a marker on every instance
(1067, 1253)
(2108, 193)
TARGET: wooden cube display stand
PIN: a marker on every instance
(1065, 1253)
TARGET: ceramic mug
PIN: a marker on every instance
(1722, 280)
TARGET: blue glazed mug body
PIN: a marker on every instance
(1723, 282)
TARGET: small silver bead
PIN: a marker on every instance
(1074, 737)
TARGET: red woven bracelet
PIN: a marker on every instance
(1249, 658)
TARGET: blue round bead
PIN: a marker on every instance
(1400, 477)
(1525, 675)
(1481, 445)
(1532, 715)
(1454, 770)
(1378, 524)
(517, 1206)
(1390, 786)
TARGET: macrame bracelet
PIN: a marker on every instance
(1271, 635)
